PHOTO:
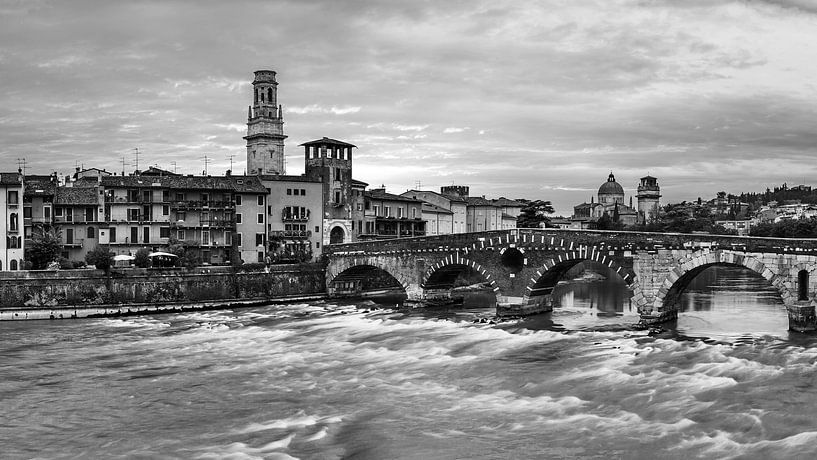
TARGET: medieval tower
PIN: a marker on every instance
(265, 127)
(648, 198)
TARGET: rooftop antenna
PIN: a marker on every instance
(230, 156)
(174, 166)
(136, 158)
(206, 162)
(123, 165)
(21, 164)
(419, 185)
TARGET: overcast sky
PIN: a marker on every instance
(538, 99)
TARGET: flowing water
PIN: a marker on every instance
(329, 381)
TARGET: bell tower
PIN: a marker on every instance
(265, 127)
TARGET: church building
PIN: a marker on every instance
(611, 202)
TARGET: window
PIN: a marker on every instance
(27, 212)
(376, 210)
(90, 232)
(180, 235)
(13, 196)
(180, 215)
(238, 218)
(179, 196)
(337, 196)
(260, 256)
(13, 265)
(165, 195)
(58, 212)
(205, 237)
(260, 200)
(289, 191)
(238, 239)
(89, 214)
(317, 229)
(134, 234)
(260, 218)
(112, 235)
(359, 207)
(165, 210)
(238, 200)
(205, 197)
(414, 213)
(387, 211)
(133, 214)
(400, 211)
(228, 238)
(259, 239)
(164, 232)
(146, 234)
(47, 212)
(13, 222)
(69, 236)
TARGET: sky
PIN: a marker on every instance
(522, 99)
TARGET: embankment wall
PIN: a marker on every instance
(76, 293)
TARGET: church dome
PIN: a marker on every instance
(611, 187)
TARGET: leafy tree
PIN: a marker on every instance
(606, 222)
(45, 247)
(141, 259)
(101, 257)
(187, 257)
(534, 214)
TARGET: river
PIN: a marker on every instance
(351, 380)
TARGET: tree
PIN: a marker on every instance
(100, 256)
(141, 259)
(534, 214)
(45, 247)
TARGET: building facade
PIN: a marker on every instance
(392, 216)
(12, 241)
(294, 218)
(649, 196)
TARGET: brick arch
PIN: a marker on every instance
(456, 259)
(334, 270)
(583, 253)
(700, 261)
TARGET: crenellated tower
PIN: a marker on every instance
(265, 127)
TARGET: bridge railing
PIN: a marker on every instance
(625, 240)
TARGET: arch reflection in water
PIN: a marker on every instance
(730, 301)
(592, 295)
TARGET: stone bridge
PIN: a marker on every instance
(522, 266)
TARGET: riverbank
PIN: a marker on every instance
(93, 293)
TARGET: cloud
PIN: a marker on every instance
(453, 130)
(315, 108)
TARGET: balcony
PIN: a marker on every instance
(75, 243)
(212, 223)
(287, 216)
(199, 204)
(291, 234)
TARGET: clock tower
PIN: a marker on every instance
(265, 127)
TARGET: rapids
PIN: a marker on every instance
(350, 380)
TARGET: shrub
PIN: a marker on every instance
(142, 260)
(101, 257)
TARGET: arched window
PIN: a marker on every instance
(269, 94)
(256, 95)
(802, 285)
(13, 265)
(13, 221)
(90, 232)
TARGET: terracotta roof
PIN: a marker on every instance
(452, 198)
(77, 195)
(328, 141)
(359, 183)
(11, 178)
(502, 201)
(478, 201)
(380, 195)
(40, 185)
(238, 184)
(428, 207)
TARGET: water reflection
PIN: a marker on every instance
(726, 302)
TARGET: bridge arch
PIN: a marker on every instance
(804, 280)
(347, 266)
(554, 269)
(679, 277)
(436, 273)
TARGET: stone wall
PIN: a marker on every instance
(39, 289)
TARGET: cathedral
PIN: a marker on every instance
(611, 202)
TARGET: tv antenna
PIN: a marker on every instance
(230, 156)
(174, 166)
(136, 158)
(21, 165)
(206, 162)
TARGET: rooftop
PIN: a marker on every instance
(328, 141)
